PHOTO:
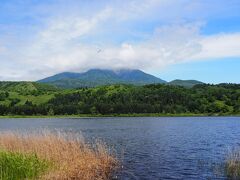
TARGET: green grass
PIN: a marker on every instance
(24, 86)
(34, 99)
(117, 115)
(37, 100)
(16, 166)
(35, 92)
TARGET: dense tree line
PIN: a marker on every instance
(125, 99)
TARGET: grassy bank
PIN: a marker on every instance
(49, 156)
(118, 115)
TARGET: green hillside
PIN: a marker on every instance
(18, 93)
(25, 86)
(26, 98)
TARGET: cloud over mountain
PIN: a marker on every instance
(150, 35)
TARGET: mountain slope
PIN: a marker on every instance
(18, 93)
(96, 77)
(185, 83)
(64, 75)
(138, 76)
(25, 87)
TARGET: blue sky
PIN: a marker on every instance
(172, 39)
(227, 70)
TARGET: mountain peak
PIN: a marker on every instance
(95, 77)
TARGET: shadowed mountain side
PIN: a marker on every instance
(185, 83)
(96, 77)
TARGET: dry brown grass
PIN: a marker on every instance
(72, 158)
(233, 165)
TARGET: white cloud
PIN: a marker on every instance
(167, 45)
(71, 42)
(70, 27)
(219, 46)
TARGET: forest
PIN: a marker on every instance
(36, 99)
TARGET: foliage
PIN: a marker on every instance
(17, 93)
(128, 99)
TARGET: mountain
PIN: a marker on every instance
(185, 83)
(96, 77)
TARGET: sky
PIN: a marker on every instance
(171, 39)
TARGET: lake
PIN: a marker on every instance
(154, 147)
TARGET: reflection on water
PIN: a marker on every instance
(154, 148)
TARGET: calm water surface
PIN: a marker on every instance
(155, 147)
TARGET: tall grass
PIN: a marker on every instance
(17, 166)
(233, 165)
(70, 156)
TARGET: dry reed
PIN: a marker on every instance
(233, 165)
(72, 158)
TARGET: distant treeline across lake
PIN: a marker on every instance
(30, 98)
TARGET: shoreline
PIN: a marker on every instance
(118, 115)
